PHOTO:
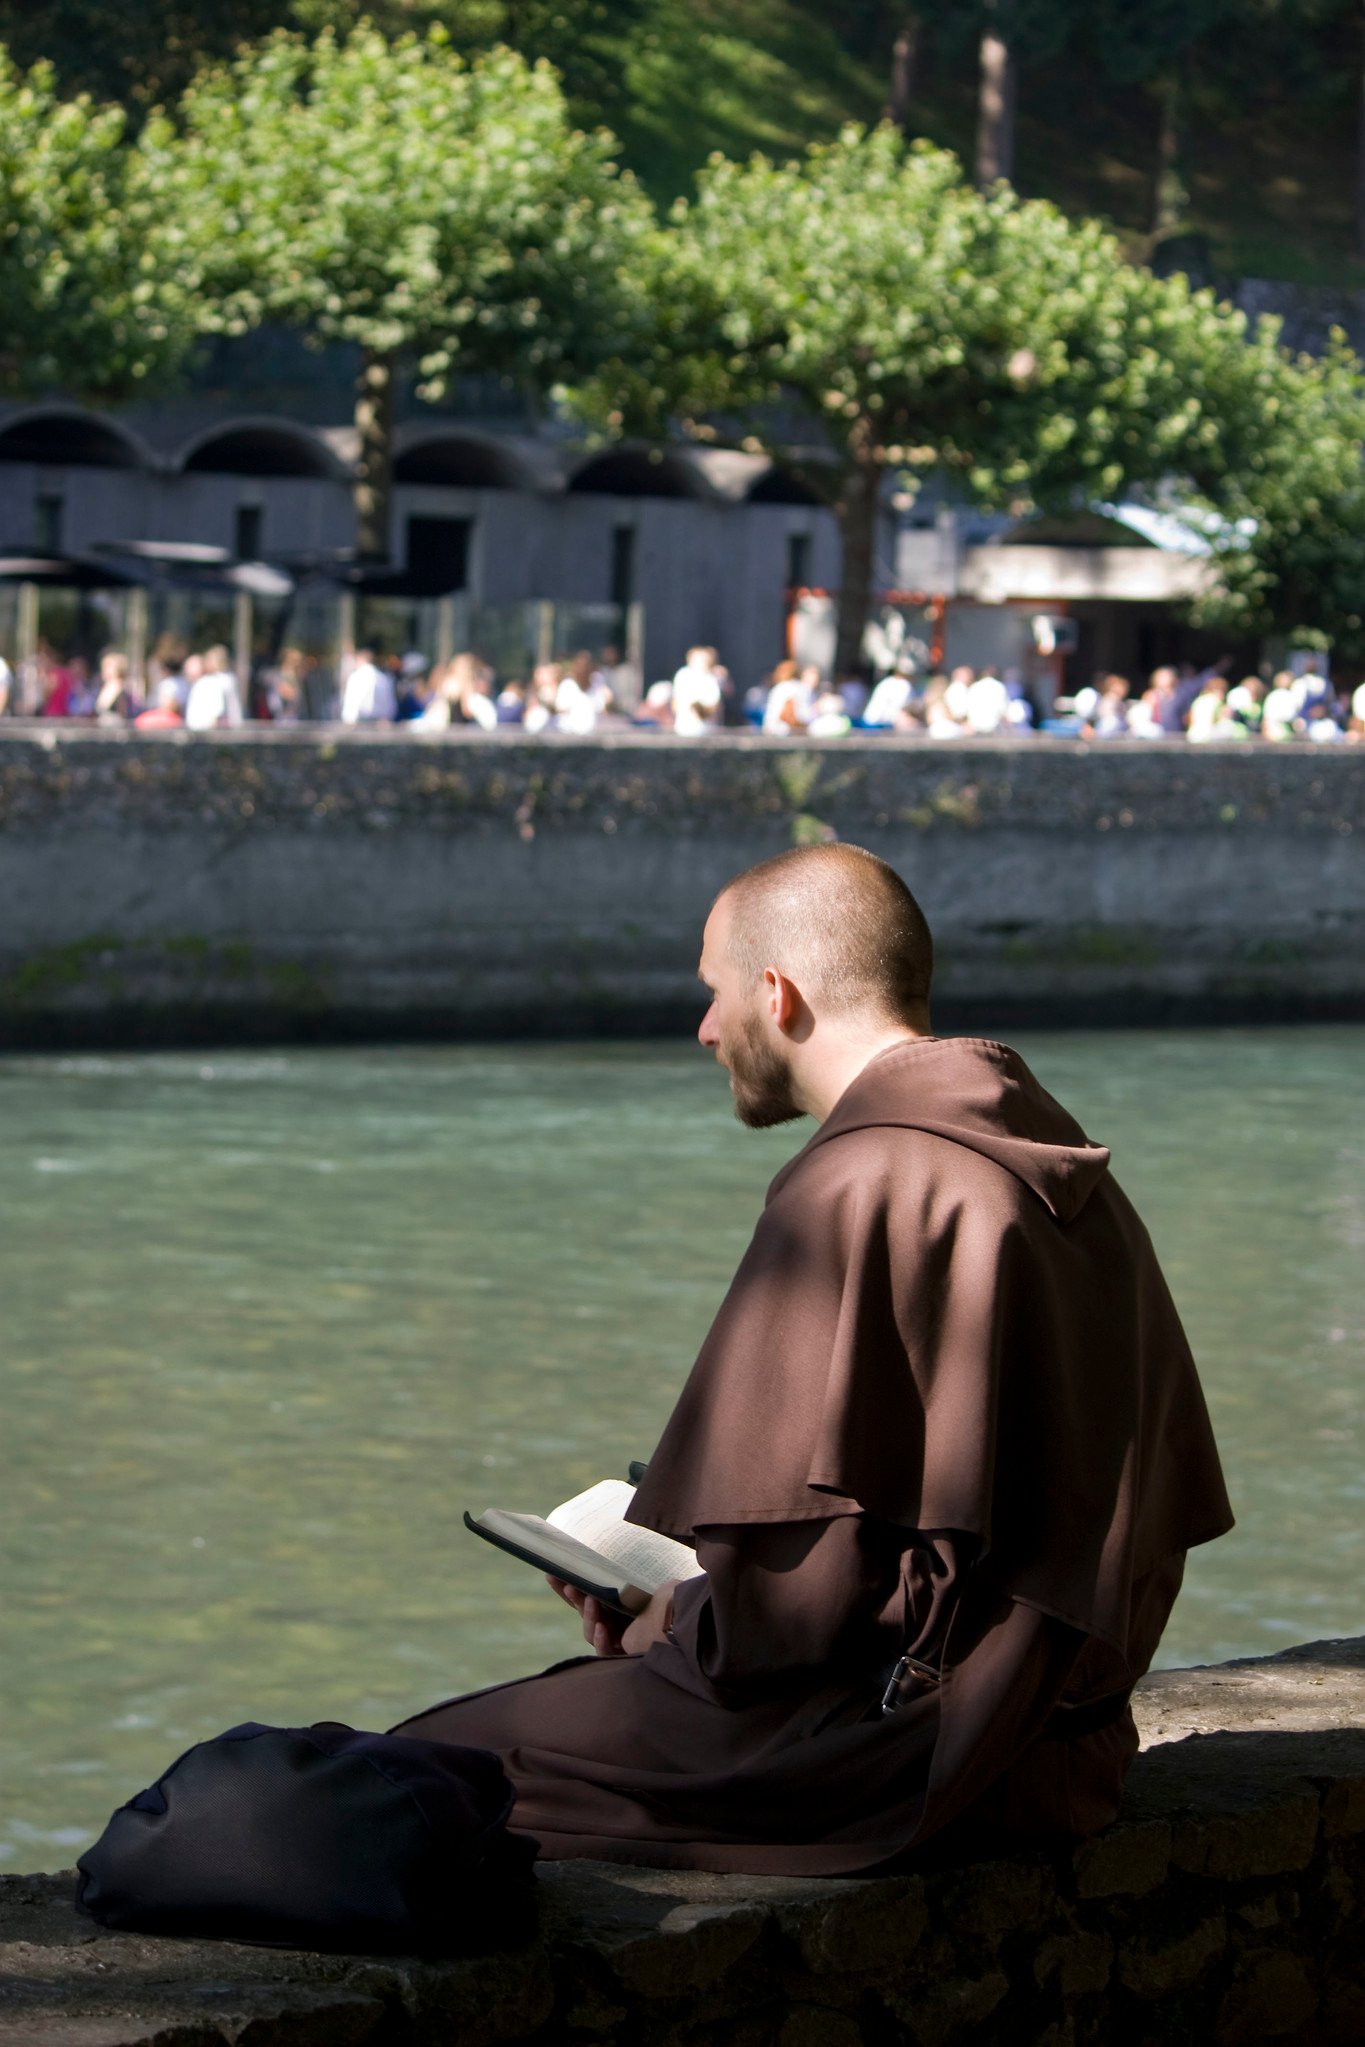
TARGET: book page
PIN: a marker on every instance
(643, 1558)
(550, 1549)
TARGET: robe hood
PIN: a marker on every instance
(980, 1095)
(950, 1318)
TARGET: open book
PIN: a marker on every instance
(589, 1543)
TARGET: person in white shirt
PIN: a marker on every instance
(987, 704)
(831, 719)
(540, 714)
(790, 702)
(1280, 711)
(697, 694)
(1245, 699)
(583, 697)
(656, 712)
(369, 697)
(939, 721)
(575, 711)
(462, 694)
(955, 695)
(889, 699)
(1322, 721)
(214, 698)
(1209, 713)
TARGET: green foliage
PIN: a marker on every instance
(866, 306)
(587, 41)
(1291, 490)
(400, 198)
(145, 55)
(1269, 97)
(865, 309)
(857, 311)
(95, 292)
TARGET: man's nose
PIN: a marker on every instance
(707, 1033)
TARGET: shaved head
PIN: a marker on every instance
(839, 923)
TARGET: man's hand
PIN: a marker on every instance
(603, 1627)
(652, 1624)
(608, 1633)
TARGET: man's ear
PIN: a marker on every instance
(784, 999)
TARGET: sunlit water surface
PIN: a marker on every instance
(272, 1322)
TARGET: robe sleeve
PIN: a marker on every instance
(778, 1602)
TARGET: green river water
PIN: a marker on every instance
(272, 1321)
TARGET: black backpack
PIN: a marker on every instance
(319, 1837)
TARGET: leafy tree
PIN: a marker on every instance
(589, 42)
(864, 314)
(1290, 542)
(145, 55)
(96, 294)
(428, 210)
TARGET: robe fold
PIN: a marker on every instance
(945, 1408)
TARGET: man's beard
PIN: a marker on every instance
(760, 1079)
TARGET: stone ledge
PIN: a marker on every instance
(1226, 1906)
(269, 887)
(511, 784)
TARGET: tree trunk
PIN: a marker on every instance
(1360, 157)
(995, 106)
(374, 462)
(904, 51)
(858, 510)
(1169, 196)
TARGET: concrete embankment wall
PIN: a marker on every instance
(315, 883)
(1223, 1908)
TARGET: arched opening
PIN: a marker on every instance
(76, 439)
(636, 473)
(462, 462)
(260, 448)
(778, 486)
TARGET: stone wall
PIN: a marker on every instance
(314, 882)
(1226, 1906)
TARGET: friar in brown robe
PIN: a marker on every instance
(941, 1455)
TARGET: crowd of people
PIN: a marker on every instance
(196, 690)
(199, 691)
(965, 703)
(1293, 704)
(580, 695)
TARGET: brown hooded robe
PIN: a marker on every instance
(946, 1407)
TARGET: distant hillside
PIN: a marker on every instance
(1272, 99)
(1270, 172)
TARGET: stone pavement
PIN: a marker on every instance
(1226, 1906)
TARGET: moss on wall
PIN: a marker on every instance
(451, 783)
(309, 882)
